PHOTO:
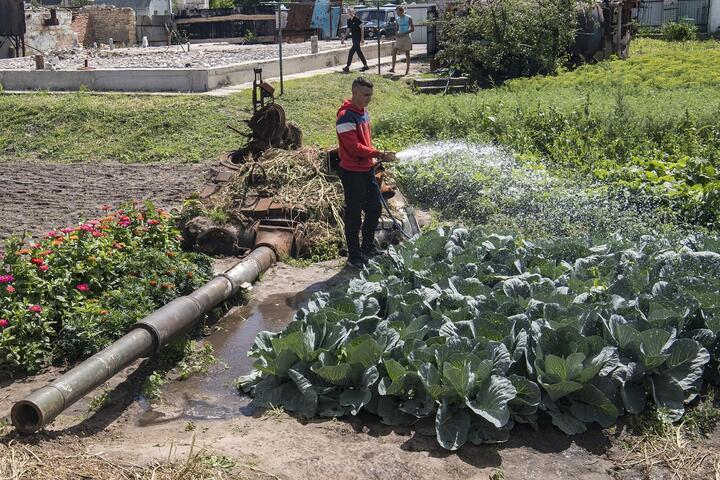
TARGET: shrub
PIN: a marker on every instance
(679, 32)
(494, 41)
(73, 292)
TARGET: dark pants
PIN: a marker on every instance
(356, 49)
(362, 194)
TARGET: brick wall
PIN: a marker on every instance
(105, 22)
(82, 26)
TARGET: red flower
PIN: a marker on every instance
(105, 208)
(37, 261)
(3, 323)
(153, 222)
(10, 289)
(97, 234)
(35, 309)
(83, 287)
(43, 268)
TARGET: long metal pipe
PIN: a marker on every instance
(146, 337)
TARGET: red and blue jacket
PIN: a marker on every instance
(353, 131)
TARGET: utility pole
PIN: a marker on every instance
(278, 24)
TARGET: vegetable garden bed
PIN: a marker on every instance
(480, 332)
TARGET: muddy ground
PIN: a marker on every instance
(207, 413)
(39, 196)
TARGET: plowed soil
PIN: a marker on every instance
(38, 196)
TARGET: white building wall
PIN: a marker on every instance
(714, 16)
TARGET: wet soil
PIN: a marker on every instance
(40, 196)
(208, 412)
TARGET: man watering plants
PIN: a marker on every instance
(358, 159)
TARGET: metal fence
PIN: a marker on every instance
(654, 13)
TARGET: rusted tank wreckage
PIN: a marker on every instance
(269, 230)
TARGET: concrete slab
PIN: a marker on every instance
(177, 80)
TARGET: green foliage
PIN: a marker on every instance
(99, 402)
(222, 3)
(679, 31)
(152, 386)
(75, 291)
(485, 331)
(488, 186)
(494, 41)
(196, 360)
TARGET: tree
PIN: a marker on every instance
(495, 40)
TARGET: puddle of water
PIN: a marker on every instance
(215, 396)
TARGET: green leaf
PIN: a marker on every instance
(431, 380)
(355, 399)
(526, 391)
(491, 401)
(307, 406)
(335, 374)
(452, 425)
(592, 405)
(668, 395)
(652, 345)
(461, 378)
(394, 369)
(686, 362)
(364, 350)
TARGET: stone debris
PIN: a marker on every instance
(175, 56)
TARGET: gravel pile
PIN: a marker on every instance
(199, 56)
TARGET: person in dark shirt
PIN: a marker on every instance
(357, 33)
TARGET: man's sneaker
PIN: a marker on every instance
(346, 69)
(372, 252)
(356, 263)
(365, 68)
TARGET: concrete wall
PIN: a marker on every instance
(714, 16)
(108, 22)
(51, 37)
(175, 80)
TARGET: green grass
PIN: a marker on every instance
(649, 124)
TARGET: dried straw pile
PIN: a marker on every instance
(298, 178)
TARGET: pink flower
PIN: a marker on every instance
(35, 309)
(10, 289)
(124, 224)
(6, 279)
(83, 287)
(87, 228)
(52, 234)
(153, 222)
(3, 323)
(67, 230)
(43, 268)
(105, 208)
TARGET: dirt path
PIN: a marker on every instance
(40, 196)
(207, 413)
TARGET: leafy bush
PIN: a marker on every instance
(482, 331)
(679, 31)
(75, 291)
(494, 41)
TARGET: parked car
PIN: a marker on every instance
(377, 23)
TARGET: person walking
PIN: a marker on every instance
(357, 34)
(358, 158)
(403, 39)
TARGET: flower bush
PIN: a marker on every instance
(73, 292)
